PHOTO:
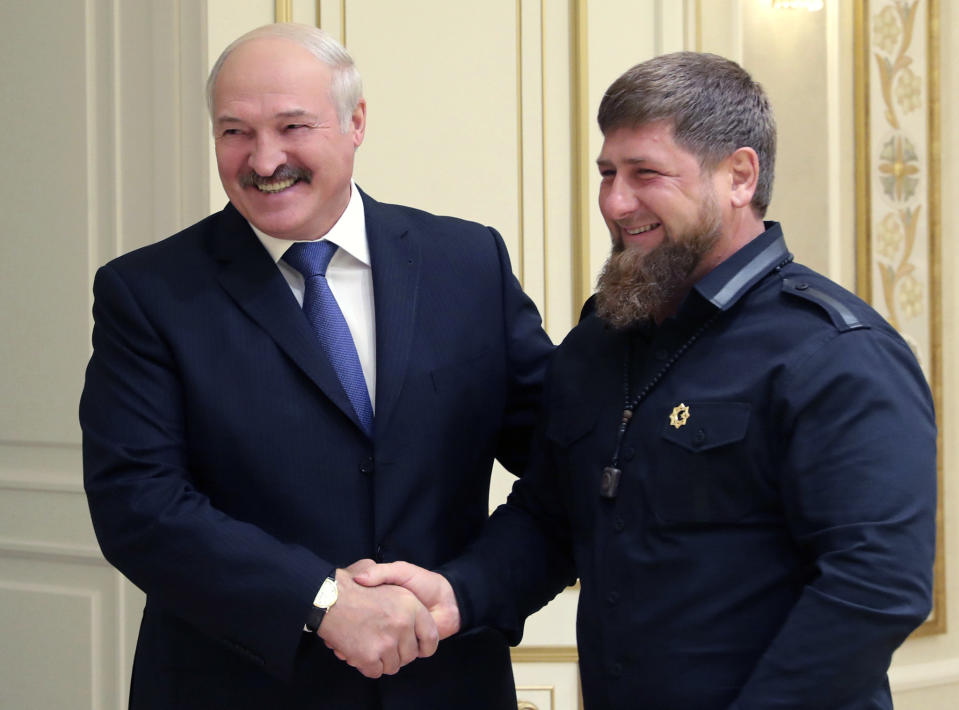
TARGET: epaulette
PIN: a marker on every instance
(839, 313)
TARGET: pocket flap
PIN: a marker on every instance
(706, 425)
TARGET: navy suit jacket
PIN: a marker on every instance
(227, 475)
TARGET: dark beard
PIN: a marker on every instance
(634, 287)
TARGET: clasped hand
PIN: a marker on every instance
(388, 615)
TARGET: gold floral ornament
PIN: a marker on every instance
(894, 275)
(889, 236)
(893, 27)
(911, 297)
(679, 416)
(909, 91)
(886, 29)
(899, 164)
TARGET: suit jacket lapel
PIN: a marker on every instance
(251, 277)
(394, 255)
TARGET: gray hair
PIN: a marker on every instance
(714, 105)
(346, 87)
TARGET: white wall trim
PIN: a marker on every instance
(85, 554)
(17, 483)
(924, 675)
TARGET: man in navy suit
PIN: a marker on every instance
(229, 473)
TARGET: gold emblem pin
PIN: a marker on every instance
(679, 415)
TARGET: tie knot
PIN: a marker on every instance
(310, 258)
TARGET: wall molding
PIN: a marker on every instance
(582, 286)
(84, 554)
(544, 654)
(903, 679)
(50, 484)
(898, 221)
(283, 10)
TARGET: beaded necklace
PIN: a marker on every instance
(609, 482)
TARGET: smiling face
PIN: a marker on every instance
(652, 190)
(665, 220)
(283, 159)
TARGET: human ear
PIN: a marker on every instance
(358, 123)
(744, 175)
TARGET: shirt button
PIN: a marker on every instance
(616, 670)
(619, 524)
(612, 598)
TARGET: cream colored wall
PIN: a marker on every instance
(100, 106)
(773, 41)
(804, 62)
(108, 148)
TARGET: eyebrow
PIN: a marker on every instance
(629, 161)
(292, 113)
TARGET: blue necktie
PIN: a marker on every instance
(321, 309)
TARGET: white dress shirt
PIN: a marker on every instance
(350, 277)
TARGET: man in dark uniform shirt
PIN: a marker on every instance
(737, 456)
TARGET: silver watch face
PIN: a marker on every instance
(327, 594)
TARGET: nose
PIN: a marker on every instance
(267, 155)
(617, 200)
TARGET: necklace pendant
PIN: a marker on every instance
(609, 482)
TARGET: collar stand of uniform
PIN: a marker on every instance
(726, 284)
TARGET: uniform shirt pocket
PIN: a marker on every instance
(703, 472)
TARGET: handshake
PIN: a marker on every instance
(387, 615)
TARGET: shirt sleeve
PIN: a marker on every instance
(859, 491)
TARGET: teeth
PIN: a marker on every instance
(640, 230)
(275, 186)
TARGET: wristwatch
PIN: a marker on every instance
(325, 598)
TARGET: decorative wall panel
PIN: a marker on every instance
(897, 192)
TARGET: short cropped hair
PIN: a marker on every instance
(714, 106)
(346, 85)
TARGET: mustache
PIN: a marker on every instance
(283, 172)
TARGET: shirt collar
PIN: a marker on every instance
(348, 233)
(725, 284)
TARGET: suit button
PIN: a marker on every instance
(379, 553)
(612, 598)
(367, 468)
(616, 670)
(619, 524)
(662, 355)
(628, 453)
(699, 438)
